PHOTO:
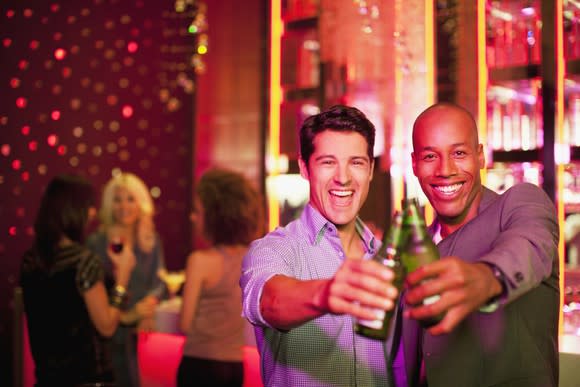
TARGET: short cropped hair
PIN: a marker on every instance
(339, 118)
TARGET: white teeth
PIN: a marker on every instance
(341, 193)
(448, 189)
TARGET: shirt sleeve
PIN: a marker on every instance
(89, 272)
(526, 250)
(265, 258)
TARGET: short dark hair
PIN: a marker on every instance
(63, 211)
(233, 208)
(339, 118)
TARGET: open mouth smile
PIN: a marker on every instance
(447, 190)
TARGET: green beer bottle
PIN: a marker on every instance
(419, 249)
(386, 255)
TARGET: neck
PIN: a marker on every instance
(351, 242)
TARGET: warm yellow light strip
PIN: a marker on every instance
(559, 132)
(276, 27)
(398, 179)
(430, 74)
(482, 79)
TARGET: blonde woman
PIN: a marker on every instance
(228, 215)
(126, 216)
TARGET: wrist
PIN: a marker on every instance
(497, 295)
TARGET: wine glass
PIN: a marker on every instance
(116, 244)
(173, 280)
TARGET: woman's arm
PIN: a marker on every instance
(194, 279)
(104, 314)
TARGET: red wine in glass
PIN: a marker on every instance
(117, 246)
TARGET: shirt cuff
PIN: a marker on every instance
(493, 303)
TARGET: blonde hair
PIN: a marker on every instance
(145, 227)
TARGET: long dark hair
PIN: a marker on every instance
(63, 211)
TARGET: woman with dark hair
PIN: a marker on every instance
(67, 307)
(228, 214)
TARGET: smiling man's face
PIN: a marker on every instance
(447, 159)
(339, 172)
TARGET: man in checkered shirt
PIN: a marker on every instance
(305, 284)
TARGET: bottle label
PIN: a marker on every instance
(374, 324)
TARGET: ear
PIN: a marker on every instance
(372, 171)
(481, 156)
(303, 169)
(414, 163)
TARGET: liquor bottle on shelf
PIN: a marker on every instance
(388, 255)
(418, 250)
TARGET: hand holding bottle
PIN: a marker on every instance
(464, 287)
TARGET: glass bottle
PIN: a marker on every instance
(386, 255)
(419, 249)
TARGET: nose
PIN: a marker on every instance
(447, 166)
(342, 175)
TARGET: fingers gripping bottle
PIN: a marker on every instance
(419, 249)
(386, 255)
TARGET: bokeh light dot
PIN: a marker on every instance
(57, 36)
(112, 147)
(97, 151)
(82, 148)
(74, 161)
(56, 89)
(52, 139)
(114, 126)
(20, 212)
(124, 155)
(12, 231)
(55, 115)
(48, 64)
(16, 164)
(94, 170)
(155, 192)
(54, 7)
(42, 169)
(21, 102)
(144, 164)
(25, 176)
(75, 49)
(59, 54)
(34, 44)
(128, 61)
(14, 83)
(23, 64)
(78, 132)
(61, 150)
(123, 83)
(29, 231)
(141, 143)
(127, 111)
(112, 100)
(75, 104)
(5, 149)
(28, 12)
(10, 13)
(32, 146)
(132, 47)
(66, 72)
(122, 141)
(25, 130)
(98, 124)
(71, 19)
(6, 42)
